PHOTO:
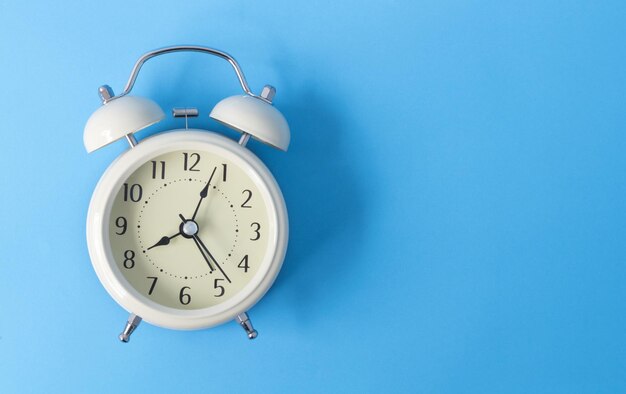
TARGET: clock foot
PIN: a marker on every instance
(131, 325)
(244, 321)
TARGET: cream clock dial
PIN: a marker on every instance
(188, 229)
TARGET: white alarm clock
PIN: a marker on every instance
(187, 229)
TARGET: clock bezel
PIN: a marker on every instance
(98, 220)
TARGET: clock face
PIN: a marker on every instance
(189, 228)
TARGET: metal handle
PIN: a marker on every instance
(185, 48)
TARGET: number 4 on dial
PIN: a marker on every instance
(244, 263)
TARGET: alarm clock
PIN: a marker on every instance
(187, 229)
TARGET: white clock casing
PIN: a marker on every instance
(100, 247)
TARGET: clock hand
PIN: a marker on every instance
(164, 241)
(195, 237)
(203, 193)
(203, 255)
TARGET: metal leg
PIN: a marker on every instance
(131, 325)
(244, 321)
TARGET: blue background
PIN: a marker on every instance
(456, 188)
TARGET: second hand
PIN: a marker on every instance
(195, 237)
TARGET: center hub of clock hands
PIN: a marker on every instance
(188, 228)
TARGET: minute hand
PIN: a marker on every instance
(211, 256)
(203, 193)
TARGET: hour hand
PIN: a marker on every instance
(164, 241)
